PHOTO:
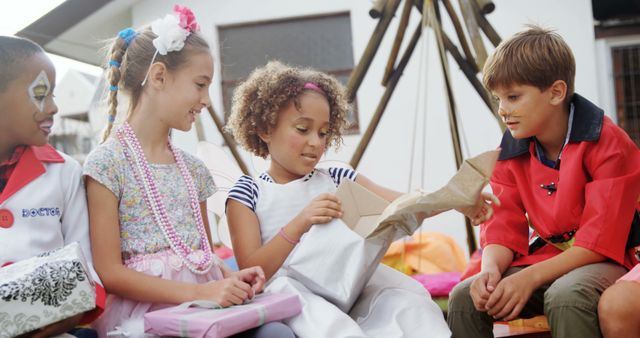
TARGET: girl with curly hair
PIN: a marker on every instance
(293, 115)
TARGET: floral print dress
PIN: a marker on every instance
(142, 242)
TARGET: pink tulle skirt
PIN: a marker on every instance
(124, 317)
(633, 275)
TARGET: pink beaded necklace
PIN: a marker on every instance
(198, 261)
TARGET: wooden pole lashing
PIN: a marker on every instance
(486, 27)
(377, 8)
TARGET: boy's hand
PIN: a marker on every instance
(511, 295)
(320, 210)
(483, 210)
(254, 276)
(482, 287)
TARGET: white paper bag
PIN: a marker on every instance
(335, 262)
(44, 289)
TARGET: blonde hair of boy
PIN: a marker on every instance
(537, 57)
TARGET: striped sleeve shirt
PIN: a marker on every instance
(246, 190)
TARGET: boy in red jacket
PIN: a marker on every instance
(567, 173)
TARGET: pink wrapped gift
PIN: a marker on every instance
(439, 284)
(633, 275)
(206, 319)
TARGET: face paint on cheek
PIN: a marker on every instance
(507, 115)
(39, 90)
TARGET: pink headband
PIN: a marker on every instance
(314, 87)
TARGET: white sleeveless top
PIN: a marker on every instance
(275, 204)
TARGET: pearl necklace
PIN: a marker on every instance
(198, 261)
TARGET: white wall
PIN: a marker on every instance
(388, 157)
(606, 85)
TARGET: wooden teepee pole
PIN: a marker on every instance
(451, 105)
(355, 80)
(481, 8)
(469, 15)
(228, 140)
(468, 69)
(391, 86)
(460, 33)
(395, 49)
(469, 66)
(429, 7)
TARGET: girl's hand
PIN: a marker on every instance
(254, 276)
(483, 210)
(225, 292)
(320, 210)
(510, 296)
(482, 287)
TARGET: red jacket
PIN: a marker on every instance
(598, 185)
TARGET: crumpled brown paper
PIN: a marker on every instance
(463, 190)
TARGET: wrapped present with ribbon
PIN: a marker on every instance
(45, 289)
(207, 319)
(337, 259)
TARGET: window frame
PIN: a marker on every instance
(226, 84)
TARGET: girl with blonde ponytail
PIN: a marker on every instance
(116, 54)
(146, 198)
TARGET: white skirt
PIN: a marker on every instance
(391, 305)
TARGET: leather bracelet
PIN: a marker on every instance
(286, 238)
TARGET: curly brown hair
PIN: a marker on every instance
(268, 90)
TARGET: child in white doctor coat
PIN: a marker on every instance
(42, 196)
(293, 115)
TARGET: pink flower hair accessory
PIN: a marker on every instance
(187, 18)
(171, 32)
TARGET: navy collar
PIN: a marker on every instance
(586, 126)
(267, 178)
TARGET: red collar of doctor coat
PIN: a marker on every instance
(29, 167)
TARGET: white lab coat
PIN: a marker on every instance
(46, 196)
